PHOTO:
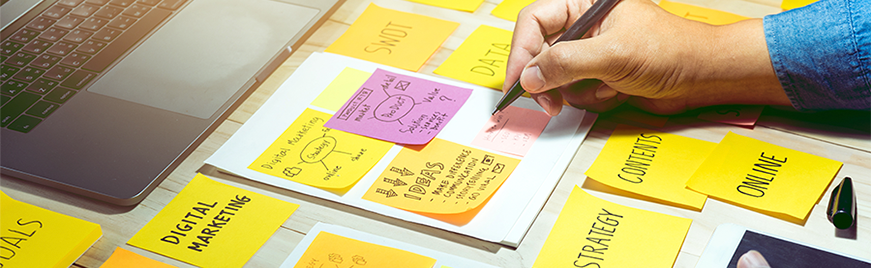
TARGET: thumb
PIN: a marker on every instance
(563, 63)
(752, 259)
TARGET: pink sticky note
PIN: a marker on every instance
(744, 116)
(512, 130)
(399, 108)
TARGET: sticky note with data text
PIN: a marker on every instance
(481, 59)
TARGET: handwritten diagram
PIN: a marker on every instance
(399, 108)
(513, 130)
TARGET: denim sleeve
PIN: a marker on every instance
(822, 54)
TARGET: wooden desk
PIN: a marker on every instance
(843, 144)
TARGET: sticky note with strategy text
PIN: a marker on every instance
(311, 154)
(706, 15)
(481, 59)
(36, 237)
(211, 224)
(341, 88)
(770, 179)
(394, 38)
(653, 164)
(461, 5)
(591, 232)
(330, 250)
(441, 180)
(513, 130)
(399, 108)
(123, 258)
(509, 9)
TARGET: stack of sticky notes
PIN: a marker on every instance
(36, 237)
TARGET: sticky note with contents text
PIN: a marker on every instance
(394, 38)
(512, 130)
(653, 164)
(481, 59)
(330, 250)
(591, 232)
(211, 224)
(399, 108)
(696, 13)
(770, 179)
(309, 153)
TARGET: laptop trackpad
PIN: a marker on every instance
(204, 54)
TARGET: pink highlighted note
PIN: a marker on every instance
(512, 130)
(399, 108)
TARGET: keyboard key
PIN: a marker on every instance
(69, 3)
(12, 87)
(40, 24)
(122, 22)
(98, 2)
(106, 34)
(75, 59)
(85, 10)
(126, 40)
(59, 72)
(136, 11)
(20, 59)
(7, 72)
(79, 79)
(25, 35)
(42, 109)
(29, 74)
(121, 3)
(59, 95)
(171, 4)
(16, 107)
(93, 24)
(25, 123)
(57, 11)
(37, 46)
(9, 47)
(148, 2)
(4, 99)
(78, 36)
(45, 61)
(91, 47)
(62, 48)
(109, 12)
(69, 22)
(42, 86)
(53, 34)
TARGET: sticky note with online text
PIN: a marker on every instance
(591, 232)
(330, 250)
(780, 182)
(512, 130)
(706, 15)
(481, 59)
(652, 163)
(461, 5)
(399, 39)
(211, 224)
(509, 9)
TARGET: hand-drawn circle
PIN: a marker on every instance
(397, 106)
(318, 149)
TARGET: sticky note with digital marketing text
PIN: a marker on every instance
(512, 130)
(706, 15)
(211, 224)
(481, 59)
(591, 232)
(399, 108)
(399, 39)
(32, 236)
(311, 154)
(509, 9)
(653, 164)
(764, 177)
(441, 179)
(331, 250)
(461, 5)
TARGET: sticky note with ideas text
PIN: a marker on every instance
(591, 232)
(123, 258)
(461, 5)
(706, 15)
(311, 154)
(330, 250)
(777, 181)
(653, 164)
(440, 179)
(509, 9)
(211, 224)
(739, 115)
(513, 130)
(481, 59)
(341, 89)
(399, 108)
(399, 39)
(36, 237)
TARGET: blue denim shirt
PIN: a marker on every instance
(822, 54)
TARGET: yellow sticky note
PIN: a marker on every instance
(211, 224)
(441, 178)
(591, 232)
(481, 59)
(774, 180)
(123, 258)
(461, 5)
(394, 38)
(706, 15)
(309, 153)
(793, 4)
(32, 236)
(330, 250)
(341, 89)
(509, 9)
(652, 163)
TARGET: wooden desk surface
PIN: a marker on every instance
(843, 144)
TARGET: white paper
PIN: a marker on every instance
(504, 219)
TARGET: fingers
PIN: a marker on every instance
(592, 95)
(551, 101)
(569, 61)
(752, 259)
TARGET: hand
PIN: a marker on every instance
(640, 54)
(752, 259)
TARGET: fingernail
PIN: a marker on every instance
(543, 100)
(753, 259)
(605, 92)
(532, 78)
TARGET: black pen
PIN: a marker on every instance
(842, 205)
(578, 29)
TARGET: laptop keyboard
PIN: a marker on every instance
(60, 51)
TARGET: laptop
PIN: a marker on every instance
(104, 98)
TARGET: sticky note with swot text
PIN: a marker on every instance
(591, 232)
(770, 179)
(653, 164)
(211, 224)
(394, 38)
(481, 59)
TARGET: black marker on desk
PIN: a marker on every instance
(578, 29)
(842, 205)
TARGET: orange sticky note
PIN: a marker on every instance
(461, 5)
(123, 258)
(513, 130)
(441, 178)
(481, 59)
(706, 15)
(394, 38)
(509, 9)
(330, 250)
(764, 177)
